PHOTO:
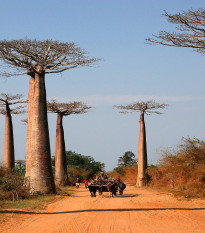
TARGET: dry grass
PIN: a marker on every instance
(180, 171)
(128, 174)
(36, 202)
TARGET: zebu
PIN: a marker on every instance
(112, 189)
(93, 189)
(121, 187)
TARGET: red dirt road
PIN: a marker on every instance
(138, 210)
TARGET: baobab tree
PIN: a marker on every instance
(63, 109)
(7, 108)
(36, 58)
(190, 31)
(148, 108)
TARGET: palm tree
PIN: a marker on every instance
(147, 107)
(63, 109)
(36, 58)
(6, 101)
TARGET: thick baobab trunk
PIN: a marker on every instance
(41, 176)
(8, 158)
(142, 153)
(29, 126)
(61, 176)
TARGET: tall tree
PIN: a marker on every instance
(191, 31)
(63, 109)
(147, 107)
(6, 101)
(36, 58)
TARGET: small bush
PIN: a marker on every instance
(21, 169)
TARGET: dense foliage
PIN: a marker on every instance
(81, 166)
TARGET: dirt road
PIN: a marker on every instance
(138, 210)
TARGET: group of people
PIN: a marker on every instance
(103, 179)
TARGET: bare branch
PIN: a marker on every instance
(25, 121)
(192, 31)
(6, 100)
(51, 56)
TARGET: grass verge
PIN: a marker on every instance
(34, 202)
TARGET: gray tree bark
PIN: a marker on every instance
(41, 176)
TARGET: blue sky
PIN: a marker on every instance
(130, 70)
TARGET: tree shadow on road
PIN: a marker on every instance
(98, 210)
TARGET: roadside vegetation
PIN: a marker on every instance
(127, 168)
(14, 195)
(81, 166)
(180, 171)
(11, 185)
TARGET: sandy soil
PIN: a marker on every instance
(138, 210)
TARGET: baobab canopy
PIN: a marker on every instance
(51, 56)
(6, 100)
(65, 109)
(148, 107)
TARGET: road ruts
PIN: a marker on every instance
(138, 210)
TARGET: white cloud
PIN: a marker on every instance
(96, 100)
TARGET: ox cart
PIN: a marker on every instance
(93, 188)
(112, 188)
